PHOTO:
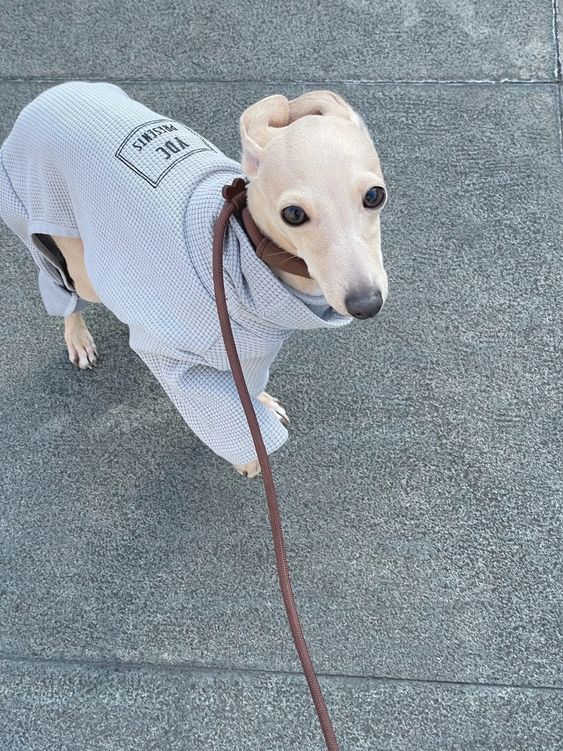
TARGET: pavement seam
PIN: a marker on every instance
(296, 82)
(558, 66)
(187, 668)
(558, 72)
(560, 101)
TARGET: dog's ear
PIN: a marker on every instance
(324, 102)
(256, 124)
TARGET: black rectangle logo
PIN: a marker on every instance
(154, 147)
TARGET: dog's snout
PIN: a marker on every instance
(364, 303)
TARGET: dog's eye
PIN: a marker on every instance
(374, 197)
(294, 215)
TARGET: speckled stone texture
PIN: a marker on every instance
(280, 39)
(46, 707)
(422, 486)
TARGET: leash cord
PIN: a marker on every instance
(220, 229)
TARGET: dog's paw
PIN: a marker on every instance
(252, 469)
(275, 406)
(81, 348)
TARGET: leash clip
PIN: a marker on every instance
(235, 193)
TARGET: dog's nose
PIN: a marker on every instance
(364, 303)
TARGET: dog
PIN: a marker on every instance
(117, 204)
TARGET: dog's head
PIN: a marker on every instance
(316, 189)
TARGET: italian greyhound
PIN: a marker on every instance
(316, 189)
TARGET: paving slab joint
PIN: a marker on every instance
(556, 30)
(295, 82)
(182, 668)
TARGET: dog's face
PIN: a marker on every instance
(316, 189)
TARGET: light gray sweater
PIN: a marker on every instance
(143, 192)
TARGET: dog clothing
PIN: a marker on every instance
(143, 192)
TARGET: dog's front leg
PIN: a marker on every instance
(252, 469)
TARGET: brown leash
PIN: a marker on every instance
(235, 197)
(267, 250)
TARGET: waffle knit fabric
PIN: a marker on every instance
(143, 192)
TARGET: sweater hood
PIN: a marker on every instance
(256, 297)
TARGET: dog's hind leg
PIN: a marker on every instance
(72, 251)
(81, 348)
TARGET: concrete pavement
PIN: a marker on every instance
(421, 489)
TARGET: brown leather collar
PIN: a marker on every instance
(267, 250)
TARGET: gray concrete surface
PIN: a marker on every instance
(421, 488)
(438, 39)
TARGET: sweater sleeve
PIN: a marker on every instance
(208, 401)
(58, 300)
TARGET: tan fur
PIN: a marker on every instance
(252, 469)
(314, 151)
(73, 251)
(82, 351)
